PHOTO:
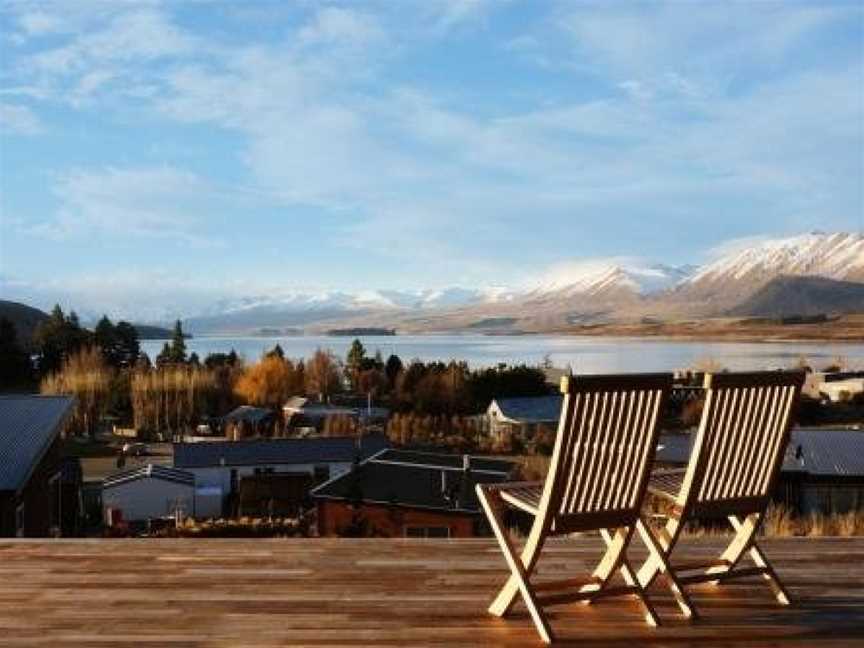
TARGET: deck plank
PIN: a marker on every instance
(378, 592)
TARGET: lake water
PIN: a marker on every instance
(583, 354)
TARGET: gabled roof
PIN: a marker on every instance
(277, 451)
(383, 479)
(826, 453)
(531, 409)
(28, 426)
(249, 414)
(150, 471)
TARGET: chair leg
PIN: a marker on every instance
(660, 555)
(759, 558)
(666, 539)
(530, 553)
(745, 532)
(517, 568)
(616, 558)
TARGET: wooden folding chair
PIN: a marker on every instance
(735, 460)
(597, 478)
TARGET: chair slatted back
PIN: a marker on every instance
(741, 439)
(606, 439)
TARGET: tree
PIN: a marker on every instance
(178, 343)
(322, 375)
(86, 375)
(392, 369)
(16, 370)
(269, 383)
(57, 338)
(128, 344)
(354, 361)
(276, 352)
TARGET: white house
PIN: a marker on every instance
(218, 467)
(149, 492)
(840, 391)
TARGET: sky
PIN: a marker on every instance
(157, 154)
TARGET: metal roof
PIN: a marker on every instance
(150, 471)
(443, 461)
(249, 414)
(826, 453)
(531, 409)
(277, 451)
(415, 486)
(28, 426)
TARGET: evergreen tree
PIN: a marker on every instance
(392, 369)
(128, 346)
(194, 360)
(354, 361)
(178, 344)
(276, 352)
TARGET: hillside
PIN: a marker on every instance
(25, 318)
(787, 296)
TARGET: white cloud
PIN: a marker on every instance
(335, 26)
(161, 202)
(17, 119)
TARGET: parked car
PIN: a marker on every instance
(135, 449)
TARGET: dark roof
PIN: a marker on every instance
(403, 484)
(150, 471)
(674, 448)
(826, 453)
(531, 409)
(276, 451)
(444, 461)
(249, 414)
(28, 426)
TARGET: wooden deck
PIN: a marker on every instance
(388, 592)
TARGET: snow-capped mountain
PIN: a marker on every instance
(609, 279)
(740, 272)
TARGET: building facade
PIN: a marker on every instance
(31, 476)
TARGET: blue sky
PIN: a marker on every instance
(157, 152)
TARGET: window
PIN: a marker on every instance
(427, 532)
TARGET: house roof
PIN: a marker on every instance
(28, 426)
(382, 480)
(443, 461)
(276, 451)
(150, 471)
(826, 453)
(249, 414)
(531, 409)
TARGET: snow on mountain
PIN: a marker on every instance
(609, 277)
(834, 256)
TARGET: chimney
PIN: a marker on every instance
(466, 462)
(444, 483)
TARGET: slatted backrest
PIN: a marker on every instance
(741, 439)
(606, 440)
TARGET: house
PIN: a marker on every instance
(823, 471)
(842, 391)
(301, 412)
(398, 493)
(31, 476)
(247, 421)
(523, 416)
(148, 492)
(219, 466)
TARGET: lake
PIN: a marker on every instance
(583, 354)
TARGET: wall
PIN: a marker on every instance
(390, 521)
(145, 498)
(36, 496)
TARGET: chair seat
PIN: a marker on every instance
(522, 495)
(666, 483)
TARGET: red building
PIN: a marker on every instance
(400, 493)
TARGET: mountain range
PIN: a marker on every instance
(809, 274)
(577, 294)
